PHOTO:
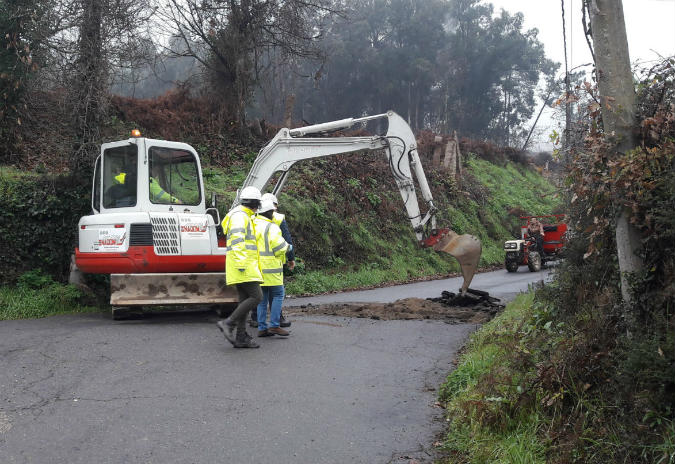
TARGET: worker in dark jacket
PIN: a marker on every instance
(280, 220)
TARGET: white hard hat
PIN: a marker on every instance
(249, 193)
(270, 196)
(266, 205)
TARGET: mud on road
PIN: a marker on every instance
(406, 309)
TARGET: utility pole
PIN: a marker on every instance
(618, 100)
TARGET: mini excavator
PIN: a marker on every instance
(153, 233)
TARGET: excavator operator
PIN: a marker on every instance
(157, 193)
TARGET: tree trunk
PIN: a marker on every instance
(89, 86)
(617, 96)
(288, 112)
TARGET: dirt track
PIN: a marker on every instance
(405, 309)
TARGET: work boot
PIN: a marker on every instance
(227, 328)
(244, 340)
(265, 333)
(278, 331)
(283, 322)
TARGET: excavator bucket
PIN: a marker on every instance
(465, 248)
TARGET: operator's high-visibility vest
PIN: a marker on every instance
(242, 261)
(272, 250)
(119, 178)
(157, 193)
(278, 218)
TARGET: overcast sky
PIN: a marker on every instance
(650, 26)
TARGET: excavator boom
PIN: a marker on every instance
(400, 147)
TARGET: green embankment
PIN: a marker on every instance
(346, 215)
(388, 250)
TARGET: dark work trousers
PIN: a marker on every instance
(540, 244)
(250, 294)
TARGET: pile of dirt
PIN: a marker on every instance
(406, 309)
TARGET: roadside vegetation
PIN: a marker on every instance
(486, 423)
(573, 373)
(38, 295)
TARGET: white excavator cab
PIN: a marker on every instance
(147, 175)
(150, 228)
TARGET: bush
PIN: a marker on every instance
(39, 226)
(37, 295)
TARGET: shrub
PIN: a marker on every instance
(39, 225)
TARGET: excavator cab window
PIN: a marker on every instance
(120, 176)
(174, 177)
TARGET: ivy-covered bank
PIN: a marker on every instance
(39, 222)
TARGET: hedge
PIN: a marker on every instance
(39, 224)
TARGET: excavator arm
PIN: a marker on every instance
(292, 145)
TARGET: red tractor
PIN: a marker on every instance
(525, 250)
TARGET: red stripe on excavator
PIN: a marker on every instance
(142, 260)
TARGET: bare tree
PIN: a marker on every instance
(231, 38)
(618, 100)
(86, 40)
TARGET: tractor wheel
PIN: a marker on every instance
(534, 261)
(511, 266)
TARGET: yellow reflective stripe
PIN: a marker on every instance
(278, 247)
(266, 234)
(273, 271)
(236, 230)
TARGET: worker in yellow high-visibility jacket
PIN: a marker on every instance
(272, 249)
(157, 193)
(280, 220)
(242, 267)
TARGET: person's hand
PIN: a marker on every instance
(291, 265)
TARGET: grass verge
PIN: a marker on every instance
(545, 383)
(37, 295)
(484, 424)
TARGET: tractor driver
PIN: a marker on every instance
(535, 229)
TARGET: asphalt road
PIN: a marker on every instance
(500, 284)
(169, 389)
